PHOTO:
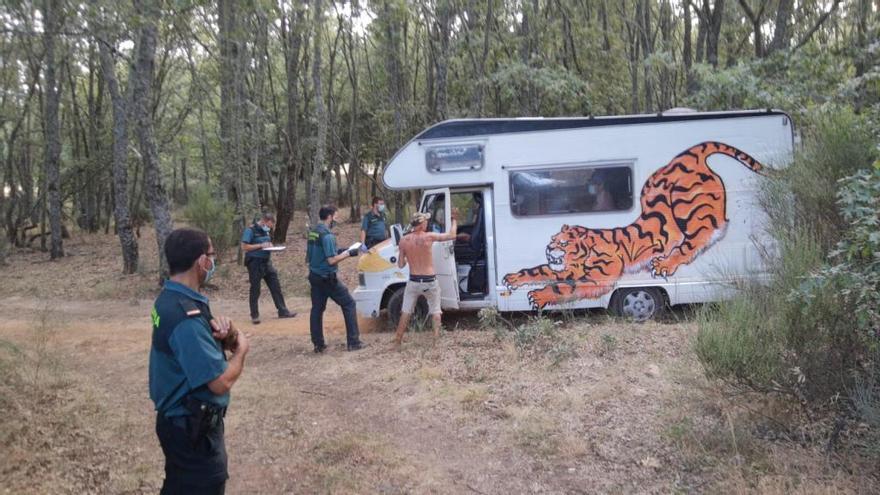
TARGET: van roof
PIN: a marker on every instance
(482, 127)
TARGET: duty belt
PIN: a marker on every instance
(422, 278)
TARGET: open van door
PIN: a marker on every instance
(436, 202)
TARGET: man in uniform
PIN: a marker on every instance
(415, 249)
(259, 265)
(189, 375)
(373, 229)
(323, 256)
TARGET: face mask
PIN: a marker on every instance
(210, 272)
(381, 208)
(591, 189)
(266, 229)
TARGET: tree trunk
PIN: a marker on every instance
(142, 81)
(354, 167)
(320, 113)
(238, 174)
(287, 186)
(781, 34)
(715, 17)
(687, 50)
(52, 16)
(127, 239)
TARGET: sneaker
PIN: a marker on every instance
(286, 314)
(320, 348)
(356, 347)
(255, 320)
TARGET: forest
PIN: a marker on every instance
(123, 120)
(114, 114)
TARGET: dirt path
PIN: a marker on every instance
(467, 414)
(602, 407)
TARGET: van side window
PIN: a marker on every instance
(570, 190)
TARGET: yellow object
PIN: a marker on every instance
(371, 262)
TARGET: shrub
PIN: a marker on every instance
(807, 333)
(215, 216)
(803, 197)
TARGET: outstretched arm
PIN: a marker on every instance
(453, 230)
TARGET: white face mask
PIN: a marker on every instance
(592, 189)
(381, 208)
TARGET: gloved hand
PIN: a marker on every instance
(353, 252)
(364, 248)
(341, 250)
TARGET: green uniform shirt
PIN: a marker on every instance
(374, 226)
(322, 245)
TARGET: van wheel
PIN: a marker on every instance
(639, 303)
(395, 303)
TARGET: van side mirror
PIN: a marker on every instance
(396, 233)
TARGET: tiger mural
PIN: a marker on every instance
(683, 213)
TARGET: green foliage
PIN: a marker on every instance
(808, 332)
(607, 344)
(837, 143)
(852, 282)
(797, 82)
(489, 318)
(541, 337)
(215, 216)
(557, 92)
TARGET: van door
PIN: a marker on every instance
(436, 202)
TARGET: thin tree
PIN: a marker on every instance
(320, 112)
(52, 17)
(119, 103)
(142, 81)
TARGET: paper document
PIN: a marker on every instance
(356, 245)
(275, 248)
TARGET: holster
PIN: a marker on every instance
(203, 418)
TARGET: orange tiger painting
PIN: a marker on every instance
(683, 213)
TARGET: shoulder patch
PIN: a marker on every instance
(190, 307)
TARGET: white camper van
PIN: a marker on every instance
(631, 213)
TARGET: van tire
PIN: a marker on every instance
(395, 303)
(639, 303)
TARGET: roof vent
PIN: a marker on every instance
(679, 111)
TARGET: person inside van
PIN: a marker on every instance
(604, 199)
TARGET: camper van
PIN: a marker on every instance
(630, 213)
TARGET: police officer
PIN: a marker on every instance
(373, 230)
(190, 377)
(259, 265)
(323, 257)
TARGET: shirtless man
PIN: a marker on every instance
(415, 248)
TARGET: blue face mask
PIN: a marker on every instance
(211, 271)
(381, 208)
(266, 229)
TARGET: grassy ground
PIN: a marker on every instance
(580, 404)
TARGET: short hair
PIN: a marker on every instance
(268, 216)
(376, 199)
(326, 211)
(183, 247)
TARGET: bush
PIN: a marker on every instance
(837, 144)
(808, 332)
(215, 216)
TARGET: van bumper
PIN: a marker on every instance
(368, 302)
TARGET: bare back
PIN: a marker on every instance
(416, 248)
